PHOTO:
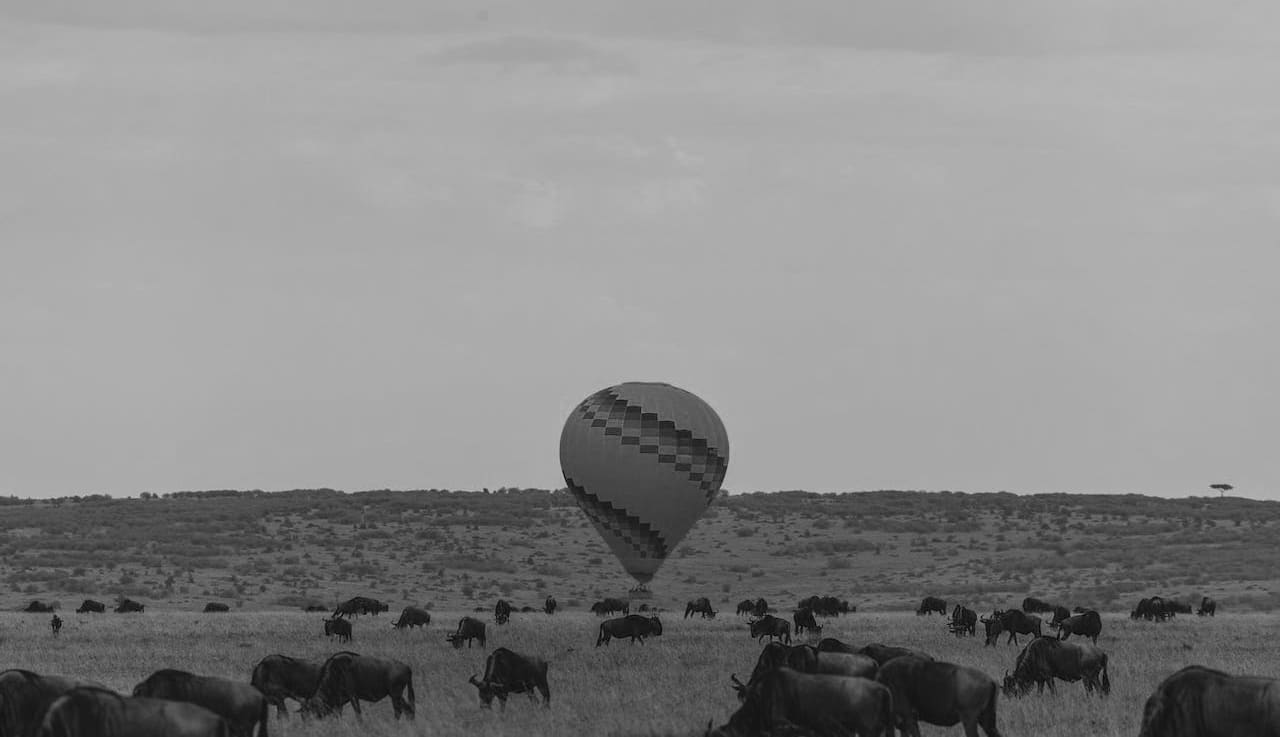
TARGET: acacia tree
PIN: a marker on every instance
(1222, 488)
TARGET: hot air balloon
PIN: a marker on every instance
(644, 460)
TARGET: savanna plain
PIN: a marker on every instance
(268, 555)
(672, 685)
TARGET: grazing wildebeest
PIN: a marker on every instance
(700, 606)
(39, 607)
(993, 628)
(1203, 702)
(241, 704)
(746, 606)
(884, 653)
(507, 672)
(128, 605)
(610, 605)
(501, 611)
(825, 606)
(315, 608)
(281, 677)
(964, 621)
(1032, 605)
(1015, 622)
(349, 678)
(90, 605)
(24, 697)
(468, 629)
(940, 693)
(412, 616)
(1088, 625)
(56, 624)
(1047, 658)
(97, 712)
(359, 605)
(931, 604)
(1208, 607)
(215, 606)
(549, 606)
(1154, 608)
(340, 627)
(1059, 614)
(527, 609)
(771, 627)
(633, 626)
(821, 705)
(806, 659)
(803, 620)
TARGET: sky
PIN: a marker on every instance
(987, 246)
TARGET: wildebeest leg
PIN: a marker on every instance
(910, 727)
(1013, 637)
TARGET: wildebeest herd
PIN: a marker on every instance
(821, 687)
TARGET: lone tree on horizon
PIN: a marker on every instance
(1222, 488)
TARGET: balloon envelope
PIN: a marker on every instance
(644, 461)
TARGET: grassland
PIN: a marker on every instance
(671, 686)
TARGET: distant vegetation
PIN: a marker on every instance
(880, 549)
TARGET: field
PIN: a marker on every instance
(673, 685)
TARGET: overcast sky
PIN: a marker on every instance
(1026, 245)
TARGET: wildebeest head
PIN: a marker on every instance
(487, 691)
(315, 707)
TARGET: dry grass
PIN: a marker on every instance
(671, 686)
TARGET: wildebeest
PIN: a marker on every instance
(745, 607)
(806, 659)
(700, 606)
(634, 626)
(1047, 658)
(281, 677)
(771, 627)
(507, 672)
(1088, 625)
(803, 620)
(39, 607)
(825, 606)
(86, 711)
(832, 645)
(128, 605)
(501, 611)
(1177, 607)
(340, 627)
(1150, 609)
(468, 629)
(822, 705)
(359, 605)
(549, 606)
(884, 653)
(215, 606)
(940, 693)
(25, 695)
(90, 605)
(56, 624)
(610, 605)
(931, 604)
(1203, 702)
(241, 704)
(349, 678)
(1015, 622)
(315, 608)
(412, 616)
(1059, 614)
(964, 621)
(1032, 605)
(1208, 607)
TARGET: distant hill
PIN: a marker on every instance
(458, 550)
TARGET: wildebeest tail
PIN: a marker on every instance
(886, 712)
(600, 637)
(408, 690)
(1106, 680)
